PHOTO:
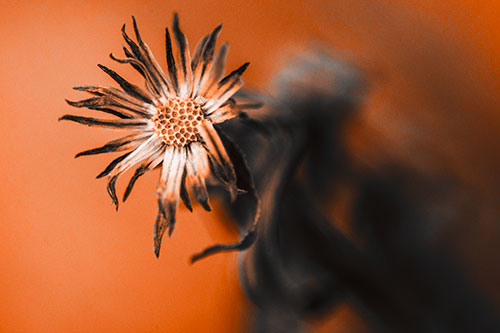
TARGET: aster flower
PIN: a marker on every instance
(172, 120)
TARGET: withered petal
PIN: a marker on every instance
(197, 169)
(236, 73)
(128, 87)
(141, 170)
(161, 225)
(218, 154)
(243, 244)
(121, 144)
(112, 190)
(172, 70)
(115, 123)
(185, 79)
(184, 193)
(216, 72)
(112, 165)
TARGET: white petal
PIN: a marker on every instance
(221, 94)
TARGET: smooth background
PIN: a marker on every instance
(70, 263)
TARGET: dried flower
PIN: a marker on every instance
(173, 121)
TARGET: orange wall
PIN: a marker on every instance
(69, 262)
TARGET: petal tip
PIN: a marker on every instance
(72, 103)
(65, 117)
(206, 205)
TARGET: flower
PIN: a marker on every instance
(172, 119)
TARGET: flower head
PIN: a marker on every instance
(172, 120)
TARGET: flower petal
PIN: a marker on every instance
(161, 226)
(112, 165)
(128, 87)
(170, 181)
(172, 70)
(112, 99)
(144, 152)
(151, 60)
(204, 64)
(226, 82)
(218, 152)
(218, 94)
(150, 82)
(184, 193)
(195, 61)
(243, 244)
(138, 66)
(160, 82)
(93, 104)
(184, 71)
(225, 112)
(197, 170)
(147, 165)
(216, 72)
(124, 143)
(107, 123)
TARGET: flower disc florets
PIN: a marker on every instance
(176, 122)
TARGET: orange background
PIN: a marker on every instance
(70, 263)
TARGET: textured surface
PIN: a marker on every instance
(177, 122)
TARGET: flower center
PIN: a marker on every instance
(176, 122)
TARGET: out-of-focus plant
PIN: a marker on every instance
(390, 269)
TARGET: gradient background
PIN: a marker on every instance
(71, 263)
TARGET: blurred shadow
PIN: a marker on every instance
(393, 269)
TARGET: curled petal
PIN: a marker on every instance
(111, 187)
(141, 69)
(240, 245)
